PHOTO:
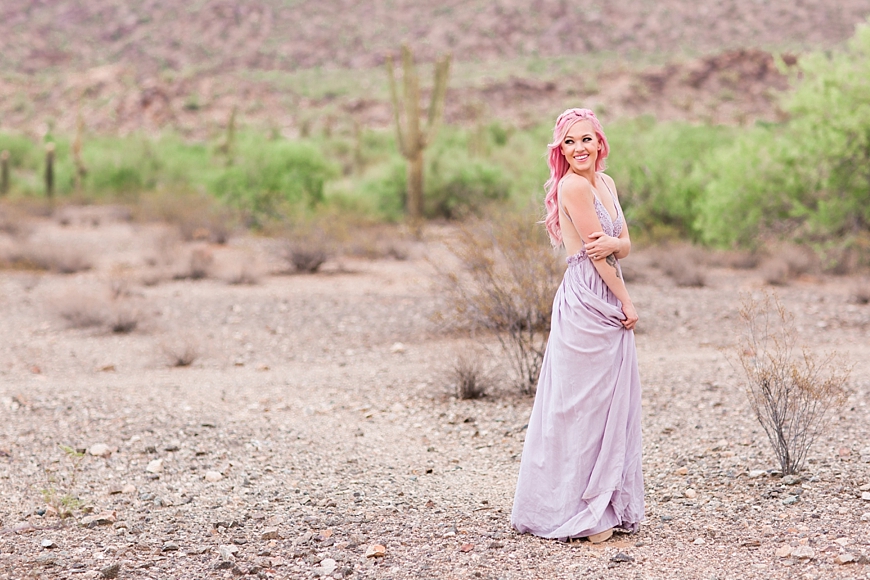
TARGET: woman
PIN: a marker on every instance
(580, 474)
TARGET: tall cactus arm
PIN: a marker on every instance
(439, 94)
(413, 139)
(394, 97)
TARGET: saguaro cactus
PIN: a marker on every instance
(49, 170)
(414, 138)
(4, 172)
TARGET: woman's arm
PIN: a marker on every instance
(606, 245)
(579, 202)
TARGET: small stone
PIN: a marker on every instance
(683, 471)
(699, 541)
(213, 476)
(621, 558)
(843, 541)
(466, 547)
(328, 566)
(783, 551)
(129, 488)
(119, 525)
(100, 450)
(865, 487)
(46, 560)
(755, 473)
(169, 547)
(110, 571)
(690, 493)
(376, 551)
(790, 480)
(101, 519)
(865, 517)
(865, 496)
(47, 544)
(397, 348)
(155, 466)
(227, 552)
(803, 553)
(271, 534)
(790, 500)
(845, 558)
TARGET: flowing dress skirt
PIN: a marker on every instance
(580, 472)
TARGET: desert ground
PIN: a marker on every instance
(316, 432)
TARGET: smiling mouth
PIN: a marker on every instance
(581, 157)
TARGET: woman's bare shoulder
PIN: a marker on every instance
(574, 185)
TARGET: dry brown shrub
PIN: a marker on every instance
(180, 352)
(124, 318)
(506, 281)
(791, 391)
(197, 266)
(785, 264)
(242, 275)
(197, 216)
(306, 245)
(735, 259)
(50, 255)
(81, 309)
(470, 376)
(684, 263)
(861, 291)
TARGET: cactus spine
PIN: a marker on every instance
(4, 172)
(413, 138)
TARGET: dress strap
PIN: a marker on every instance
(613, 197)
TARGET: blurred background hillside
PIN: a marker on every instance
(281, 107)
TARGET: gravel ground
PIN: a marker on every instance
(316, 425)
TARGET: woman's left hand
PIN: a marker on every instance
(601, 245)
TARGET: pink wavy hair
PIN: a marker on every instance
(559, 165)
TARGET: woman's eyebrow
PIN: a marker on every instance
(581, 136)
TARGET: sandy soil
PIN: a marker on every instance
(303, 434)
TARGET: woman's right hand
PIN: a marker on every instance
(630, 316)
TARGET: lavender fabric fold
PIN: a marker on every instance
(580, 472)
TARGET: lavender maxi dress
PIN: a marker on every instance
(580, 472)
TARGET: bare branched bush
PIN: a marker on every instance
(735, 259)
(242, 274)
(785, 264)
(305, 255)
(51, 256)
(508, 277)
(124, 318)
(861, 291)
(81, 309)
(682, 263)
(791, 391)
(198, 265)
(469, 375)
(197, 216)
(181, 352)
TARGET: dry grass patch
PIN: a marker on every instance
(861, 291)
(49, 255)
(196, 217)
(124, 318)
(469, 375)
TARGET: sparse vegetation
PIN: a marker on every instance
(505, 283)
(59, 495)
(82, 309)
(470, 376)
(181, 352)
(791, 390)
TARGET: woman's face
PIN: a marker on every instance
(581, 147)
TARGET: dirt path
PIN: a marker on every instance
(303, 435)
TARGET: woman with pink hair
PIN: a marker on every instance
(580, 474)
